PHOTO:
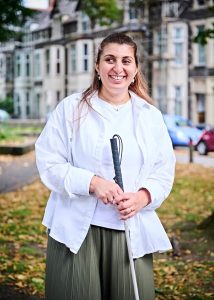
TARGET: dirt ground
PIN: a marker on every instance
(10, 293)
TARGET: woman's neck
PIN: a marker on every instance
(114, 98)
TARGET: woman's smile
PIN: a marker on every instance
(117, 78)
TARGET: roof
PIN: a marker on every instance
(43, 19)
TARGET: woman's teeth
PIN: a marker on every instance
(117, 77)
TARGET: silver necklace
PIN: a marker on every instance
(118, 107)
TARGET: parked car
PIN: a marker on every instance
(181, 130)
(4, 115)
(205, 143)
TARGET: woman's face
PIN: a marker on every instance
(117, 67)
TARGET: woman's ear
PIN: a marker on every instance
(96, 68)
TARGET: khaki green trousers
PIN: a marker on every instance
(99, 271)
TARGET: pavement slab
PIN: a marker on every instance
(17, 171)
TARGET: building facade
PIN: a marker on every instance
(201, 68)
(56, 57)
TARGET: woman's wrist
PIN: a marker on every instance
(145, 195)
(93, 183)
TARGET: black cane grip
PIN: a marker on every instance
(116, 162)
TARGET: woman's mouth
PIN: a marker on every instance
(117, 77)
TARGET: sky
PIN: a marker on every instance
(36, 4)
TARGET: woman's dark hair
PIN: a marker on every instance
(139, 86)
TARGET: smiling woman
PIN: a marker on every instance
(116, 69)
(87, 256)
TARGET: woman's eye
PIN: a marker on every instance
(110, 60)
(126, 61)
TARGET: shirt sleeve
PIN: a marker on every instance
(160, 180)
(52, 158)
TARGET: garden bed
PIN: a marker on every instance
(16, 150)
(17, 140)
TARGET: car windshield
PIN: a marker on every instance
(183, 122)
(173, 121)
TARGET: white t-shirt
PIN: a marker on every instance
(118, 120)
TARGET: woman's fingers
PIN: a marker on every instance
(129, 205)
(105, 190)
(128, 213)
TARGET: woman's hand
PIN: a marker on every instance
(129, 204)
(105, 190)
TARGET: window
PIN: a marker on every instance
(27, 65)
(18, 66)
(58, 53)
(57, 97)
(27, 104)
(178, 45)
(133, 11)
(85, 64)
(200, 99)
(178, 33)
(58, 67)
(201, 2)
(85, 57)
(47, 59)
(37, 66)
(1, 68)
(58, 61)
(160, 46)
(178, 101)
(17, 105)
(161, 98)
(73, 58)
(161, 41)
(178, 53)
(37, 105)
(9, 69)
(201, 60)
(85, 25)
(201, 54)
(85, 49)
(85, 22)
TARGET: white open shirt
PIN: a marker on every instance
(69, 153)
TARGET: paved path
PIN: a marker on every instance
(182, 156)
(16, 171)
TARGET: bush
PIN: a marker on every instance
(7, 104)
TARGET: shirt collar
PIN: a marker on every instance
(138, 101)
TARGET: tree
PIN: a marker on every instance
(103, 12)
(12, 17)
(206, 33)
(203, 36)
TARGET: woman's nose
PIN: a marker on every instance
(118, 67)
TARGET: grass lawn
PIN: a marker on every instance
(17, 134)
(187, 275)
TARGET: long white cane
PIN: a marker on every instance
(118, 179)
